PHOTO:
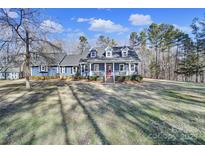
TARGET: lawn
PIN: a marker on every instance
(60, 112)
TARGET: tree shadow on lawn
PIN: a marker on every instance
(24, 103)
(64, 122)
(159, 86)
(97, 129)
(159, 131)
(177, 96)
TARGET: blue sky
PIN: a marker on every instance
(116, 23)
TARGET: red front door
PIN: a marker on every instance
(109, 70)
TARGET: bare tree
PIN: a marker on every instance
(25, 30)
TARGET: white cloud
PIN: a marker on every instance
(106, 26)
(85, 19)
(101, 25)
(186, 29)
(140, 19)
(52, 26)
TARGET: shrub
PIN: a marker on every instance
(136, 78)
(93, 78)
(120, 78)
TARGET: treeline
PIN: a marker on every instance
(166, 52)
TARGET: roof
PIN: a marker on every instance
(71, 60)
(13, 69)
(3, 69)
(48, 59)
(116, 54)
(10, 69)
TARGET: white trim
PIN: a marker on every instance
(97, 67)
(131, 68)
(57, 69)
(45, 68)
(90, 70)
(74, 70)
(63, 69)
(110, 52)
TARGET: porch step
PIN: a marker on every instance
(109, 80)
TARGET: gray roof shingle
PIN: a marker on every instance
(48, 59)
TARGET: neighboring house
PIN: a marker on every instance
(11, 73)
(105, 63)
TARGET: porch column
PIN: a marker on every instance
(84, 70)
(129, 69)
(105, 71)
(81, 70)
(113, 71)
(90, 70)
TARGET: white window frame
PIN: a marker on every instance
(96, 66)
(63, 69)
(124, 53)
(108, 53)
(93, 54)
(123, 67)
(43, 68)
(74, 70)
(132, 70)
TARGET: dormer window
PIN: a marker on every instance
(93, 54)
(125, 52)
(108, 52)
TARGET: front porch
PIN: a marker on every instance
(107, 70)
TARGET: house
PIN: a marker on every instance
(11, 73)
(104, 63)
(110, 62)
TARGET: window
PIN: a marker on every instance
(124, 53)
(63, 70)
(93, 54)
(132, 67)
(44, 69)
(96, 67)
(74, 70)
(122, 67)
(109, 54)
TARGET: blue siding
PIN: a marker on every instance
(68, 71)
(52, 71)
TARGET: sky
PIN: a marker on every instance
(116, 23)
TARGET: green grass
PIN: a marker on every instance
(59, 112)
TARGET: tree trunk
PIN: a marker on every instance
(156, 71)
(169, 67)
(176, 64)
(197, 67)
(27, 62)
